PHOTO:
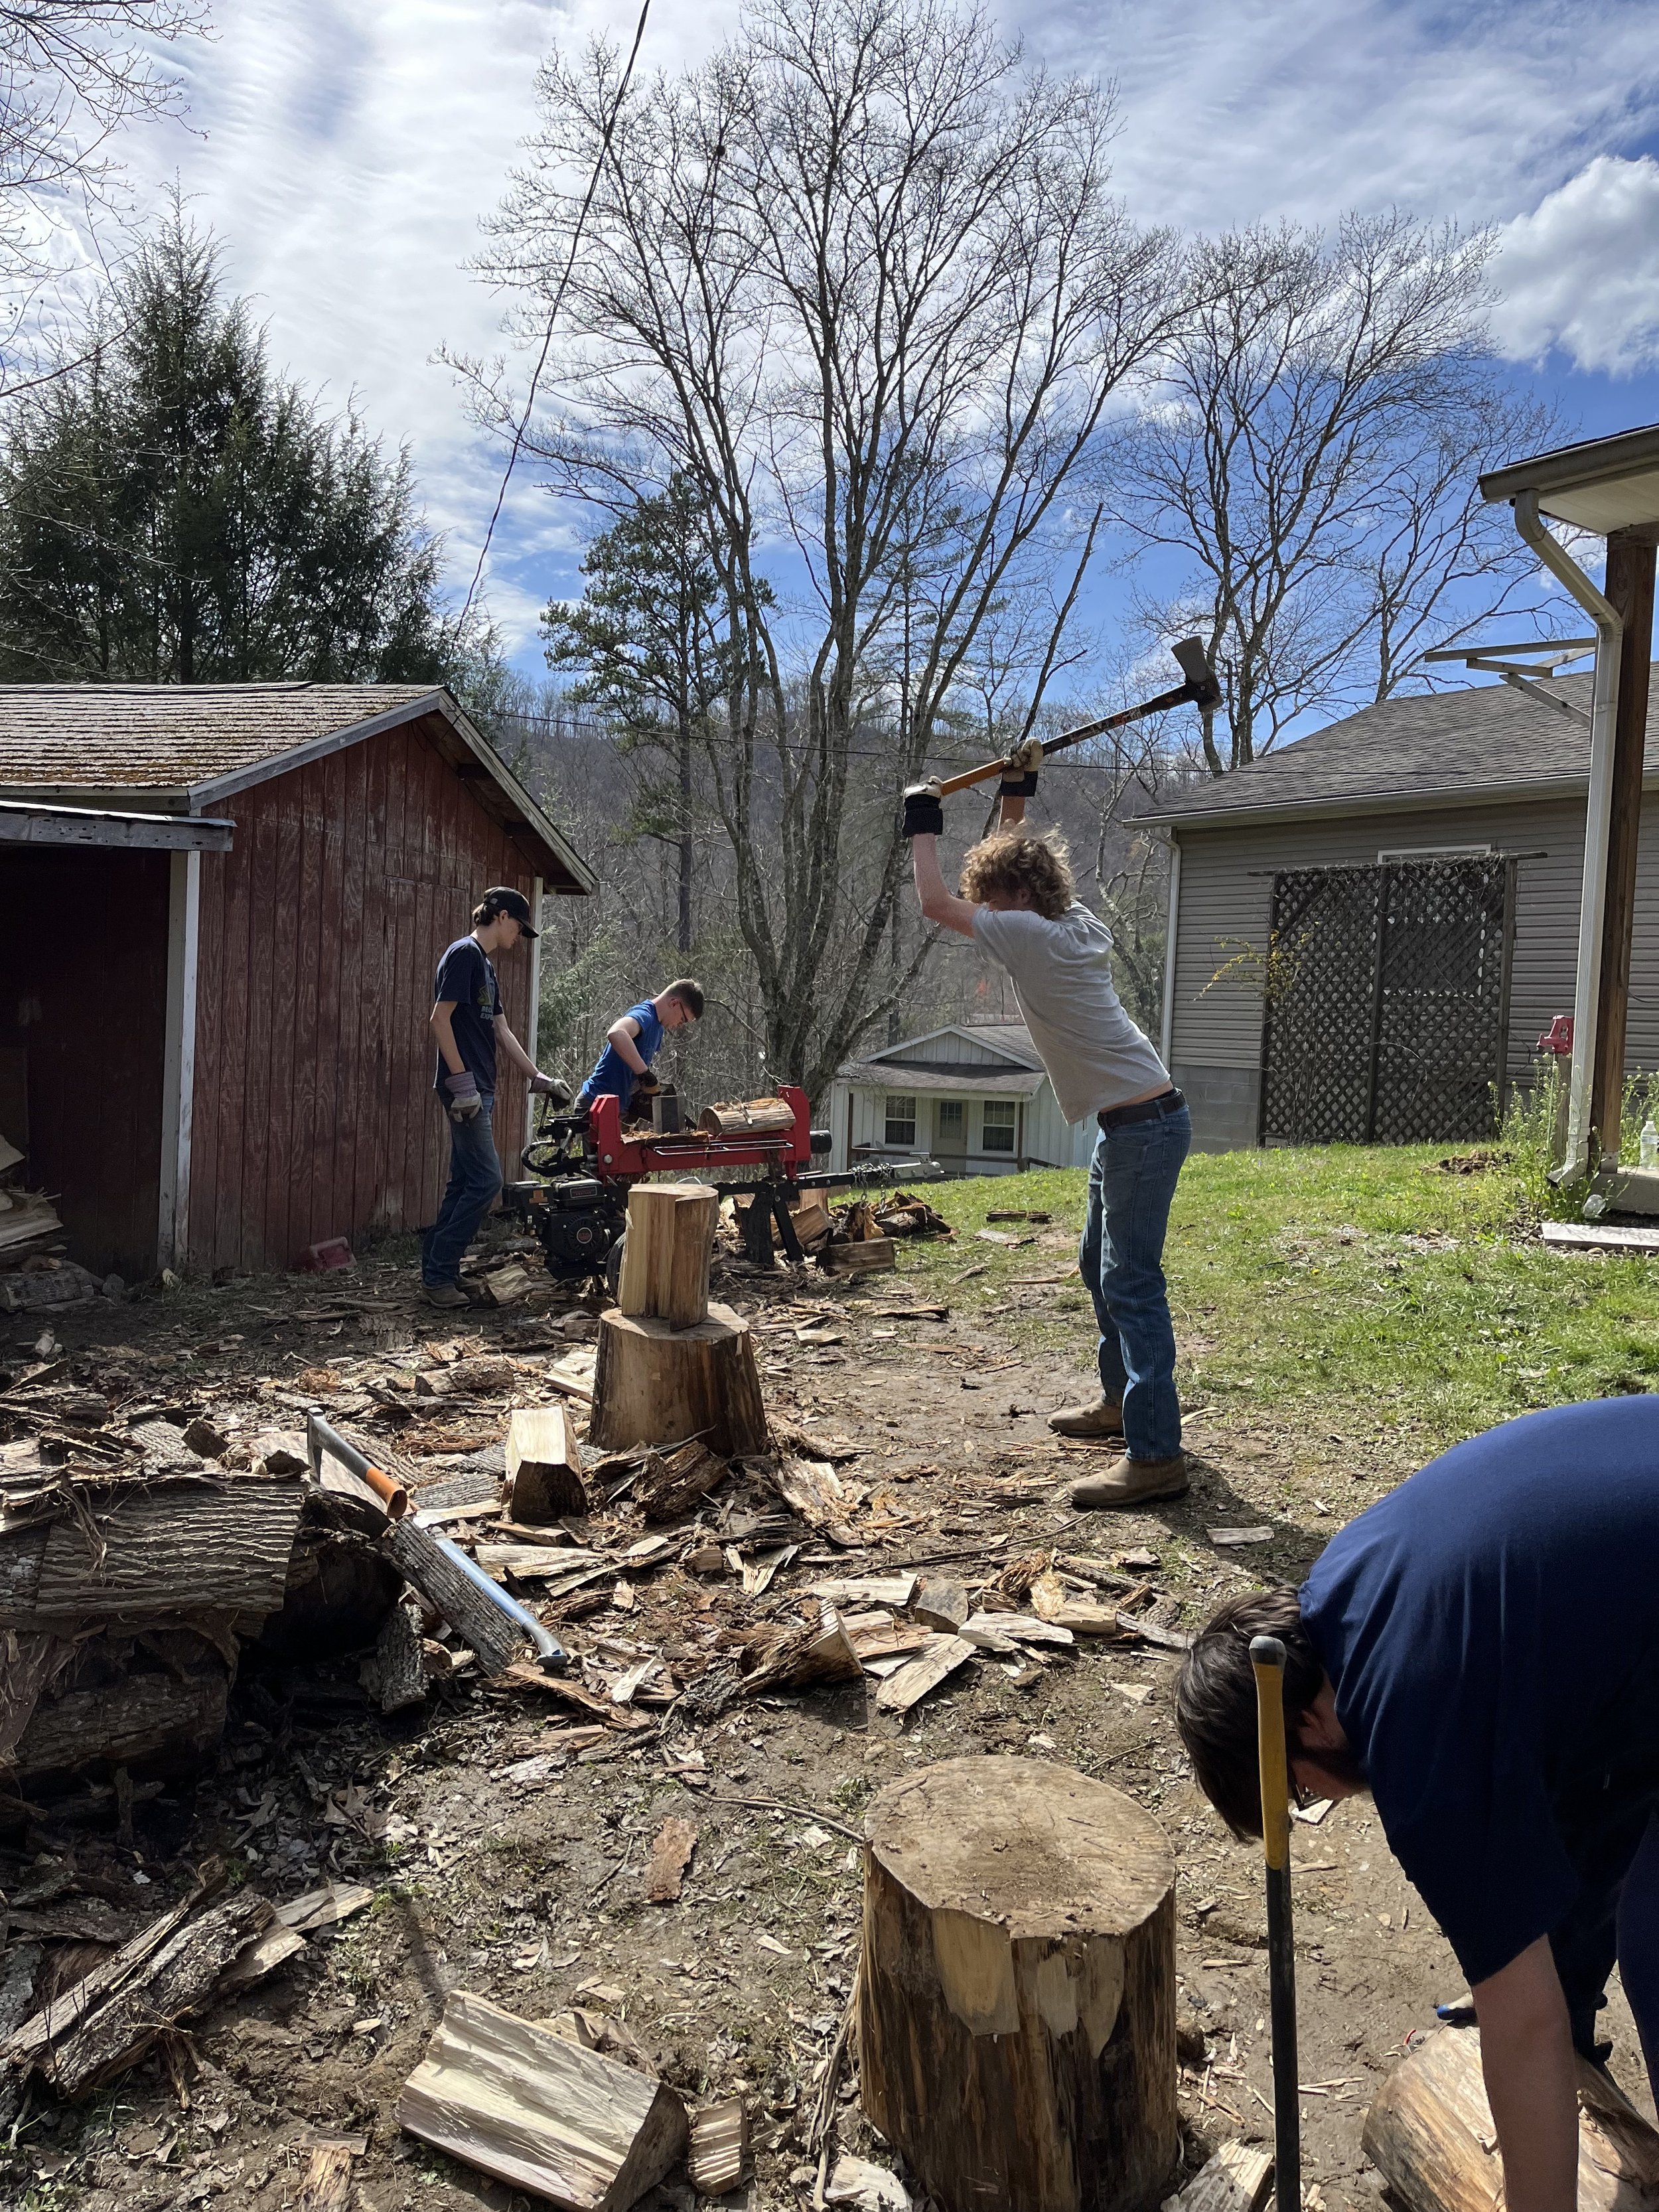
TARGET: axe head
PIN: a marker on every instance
(1198, 672)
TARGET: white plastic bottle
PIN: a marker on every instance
(1649, 1146)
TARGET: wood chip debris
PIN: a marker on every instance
(671, 1849)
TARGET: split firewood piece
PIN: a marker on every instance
(673, 1484)
(109, 1975)
(912, 1683)
(1051, 1601)
(868, 1255)
(893, 1590)
(1429, 2134)
(508, 1283)
(321, 1908)
(531, 1562)
(394, 1673)
(327, 2185)
(940, 1604)
(669, 1855)
(879, 1636)
(540, 2113)
(720, 2147)
(1017, 1627)
(482, 1627)
(817, 1493)
(262, 1957)
(804, 1657)
(171, 1985)
(665, 1259)
(1238, 2178)
(544, 1466)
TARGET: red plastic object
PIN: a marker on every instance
(1559, 1036)
(326, 1258)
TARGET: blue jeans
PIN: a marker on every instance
(1132, 1181)
(1616, 1917)
(475, 1177)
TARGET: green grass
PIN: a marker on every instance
(1355, 1293)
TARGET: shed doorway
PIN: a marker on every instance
(1387, 1002)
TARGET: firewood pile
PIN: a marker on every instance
(35, 1270)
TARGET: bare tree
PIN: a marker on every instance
(859, 278)
(1313, 448)
(73, 73)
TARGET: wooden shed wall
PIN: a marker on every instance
(320, 932)
(1225, 890)
(84, 936)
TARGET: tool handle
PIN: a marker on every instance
(1183, 695)
(1267, 1663)
(321, 1436)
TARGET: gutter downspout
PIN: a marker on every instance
(1166, 1033)
(1598, 822)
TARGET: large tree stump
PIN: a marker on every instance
(1017, 2007)
(655, 1384)
(1430, 2135)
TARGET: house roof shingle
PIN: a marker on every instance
(1424, 752)
(188, 747)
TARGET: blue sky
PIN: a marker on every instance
(345, 150)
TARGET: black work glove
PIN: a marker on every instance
(1019, 770)
(924, 814)
(646, 1085)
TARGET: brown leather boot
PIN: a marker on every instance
(1101, 1417)
(1133, 1482)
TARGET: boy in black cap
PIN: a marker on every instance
(468, 1030)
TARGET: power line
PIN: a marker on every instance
(553, 315)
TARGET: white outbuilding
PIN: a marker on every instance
(973, 1097)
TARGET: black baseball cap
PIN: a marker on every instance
(507, 901)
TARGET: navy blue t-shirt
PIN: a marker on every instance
(466, 975)
(611, 1071)
(1491, 1630)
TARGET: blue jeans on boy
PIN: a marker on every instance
(1132, 1181)
(475, 1177)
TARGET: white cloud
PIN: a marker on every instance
(1582, 271)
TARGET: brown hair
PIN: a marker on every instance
(689, 994)
(1012, 861)
(1215, 1698)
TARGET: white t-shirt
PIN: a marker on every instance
(1096, 1056)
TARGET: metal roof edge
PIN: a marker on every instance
(1591, 461)
(1401, 802)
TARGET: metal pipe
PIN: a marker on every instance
(1598, 822)
(551, 1653)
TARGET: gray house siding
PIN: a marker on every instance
(1226, 884)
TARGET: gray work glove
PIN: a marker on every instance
(464, 1100)
(549, 1087)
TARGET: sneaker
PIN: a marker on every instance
(1103, 1417)
(1133, 1482)
(446, 1295)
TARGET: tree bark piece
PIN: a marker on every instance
(327, 2185)
(541, 2113)
(1429, 2130)
(668, 1487)
(483, 1627)
(544, 1466)
(1017, 2010)
(719, 2162)
(158, 1548)
(752, 1117)
(655, 1384)
(940, 1657)
(670, 1854)
(394, 1673)
(184, 1972)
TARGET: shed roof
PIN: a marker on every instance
(1487, 741)
(1012, 1040)
(944, 1082)
(189, 747)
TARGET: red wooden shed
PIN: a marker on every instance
(221, 907)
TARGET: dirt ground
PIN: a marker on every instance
(524, 1882)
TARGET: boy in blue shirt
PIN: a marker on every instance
(1480, 1651)
(623, 1068)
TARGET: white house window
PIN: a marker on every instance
(999, 1126)
(901, 1119)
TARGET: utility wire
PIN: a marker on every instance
(553, 315)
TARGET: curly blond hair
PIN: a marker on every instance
(1009, 861)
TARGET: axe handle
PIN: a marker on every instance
(1183, 695)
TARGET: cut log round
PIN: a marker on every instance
(666, 1253)
(1429, 2130)
(655, 1384)
(1017, 2003)
(750, 1117)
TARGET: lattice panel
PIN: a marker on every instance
(1387, 1009)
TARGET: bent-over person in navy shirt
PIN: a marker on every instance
(1480, 1651)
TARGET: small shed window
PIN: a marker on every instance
(901, 1119)
(998, 1126)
